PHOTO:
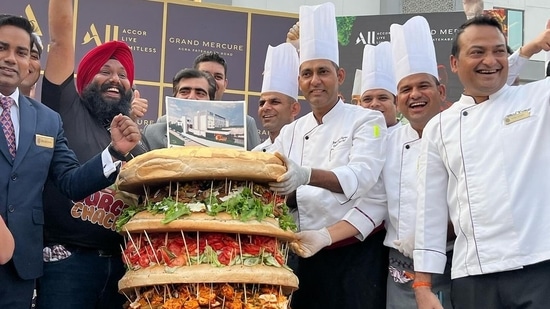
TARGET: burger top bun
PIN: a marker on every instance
(160, 166)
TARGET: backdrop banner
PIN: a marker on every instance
(166, 37)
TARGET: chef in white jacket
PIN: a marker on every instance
(334, 156)
(278, 103)
(480, 164)
(419, 98)
(378, 83)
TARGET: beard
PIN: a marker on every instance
(104, 110)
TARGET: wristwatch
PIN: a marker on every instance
(116, 154)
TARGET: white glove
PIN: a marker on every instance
(405, 246)
(308, 243)
(294, 177)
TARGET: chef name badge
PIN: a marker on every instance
(44, 141)
(517, 116)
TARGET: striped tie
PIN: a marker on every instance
(7, 124)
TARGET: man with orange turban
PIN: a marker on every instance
(82, 256)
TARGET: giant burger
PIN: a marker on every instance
(208, 232)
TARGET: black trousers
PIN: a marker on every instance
(527, 288)
(15, 293)
(350, 277)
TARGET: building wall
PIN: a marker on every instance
(343, 7)
(537, 12)
(428, 6)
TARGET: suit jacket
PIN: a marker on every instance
(156, 137)
(155, 134)
(42, 152)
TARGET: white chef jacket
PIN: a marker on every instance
(265, 146)
(485, 166)
(396, 126)
(515, 64)
(350, 142)
(400, 182)
(400, 171)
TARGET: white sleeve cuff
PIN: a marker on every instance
(361, 221)
(109, 167)
(348, 180)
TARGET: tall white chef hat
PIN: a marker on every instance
(281, 70)
(356, 91)
(318, 35)
(413, 48)
(378, 68)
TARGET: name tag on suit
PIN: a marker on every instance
(517, 116)
(44, 141)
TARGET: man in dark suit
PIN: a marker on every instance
(39, 152)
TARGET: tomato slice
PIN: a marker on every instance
(180, 260)
(144, 261)
(251, 249)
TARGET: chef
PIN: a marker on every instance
(378, 83)
(278, 103)
(419, 97)
(356, 90)
(334, 156)
(480, 164)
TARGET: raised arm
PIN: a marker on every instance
(541, 42)
(517, 60)
(60, 63)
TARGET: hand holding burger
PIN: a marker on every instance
(308, 243)
(295, 176)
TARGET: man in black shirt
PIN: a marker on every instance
(82, 255)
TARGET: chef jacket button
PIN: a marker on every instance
(264, 150)
(464, 113)
(11, 208)
(407, 146)
(307, 137)
(13, 177)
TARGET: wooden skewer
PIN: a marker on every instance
(126, 259)
(177, 191)
(210, 294)
(166, 287)
(127, 297)
(145, 189)
(132, 240)
(211, 193)
(152, 249)
(197, 288)
(148, 301)
(245, 298)
(240, 247)
(226, 186)
(186, 249)
(198, 249)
